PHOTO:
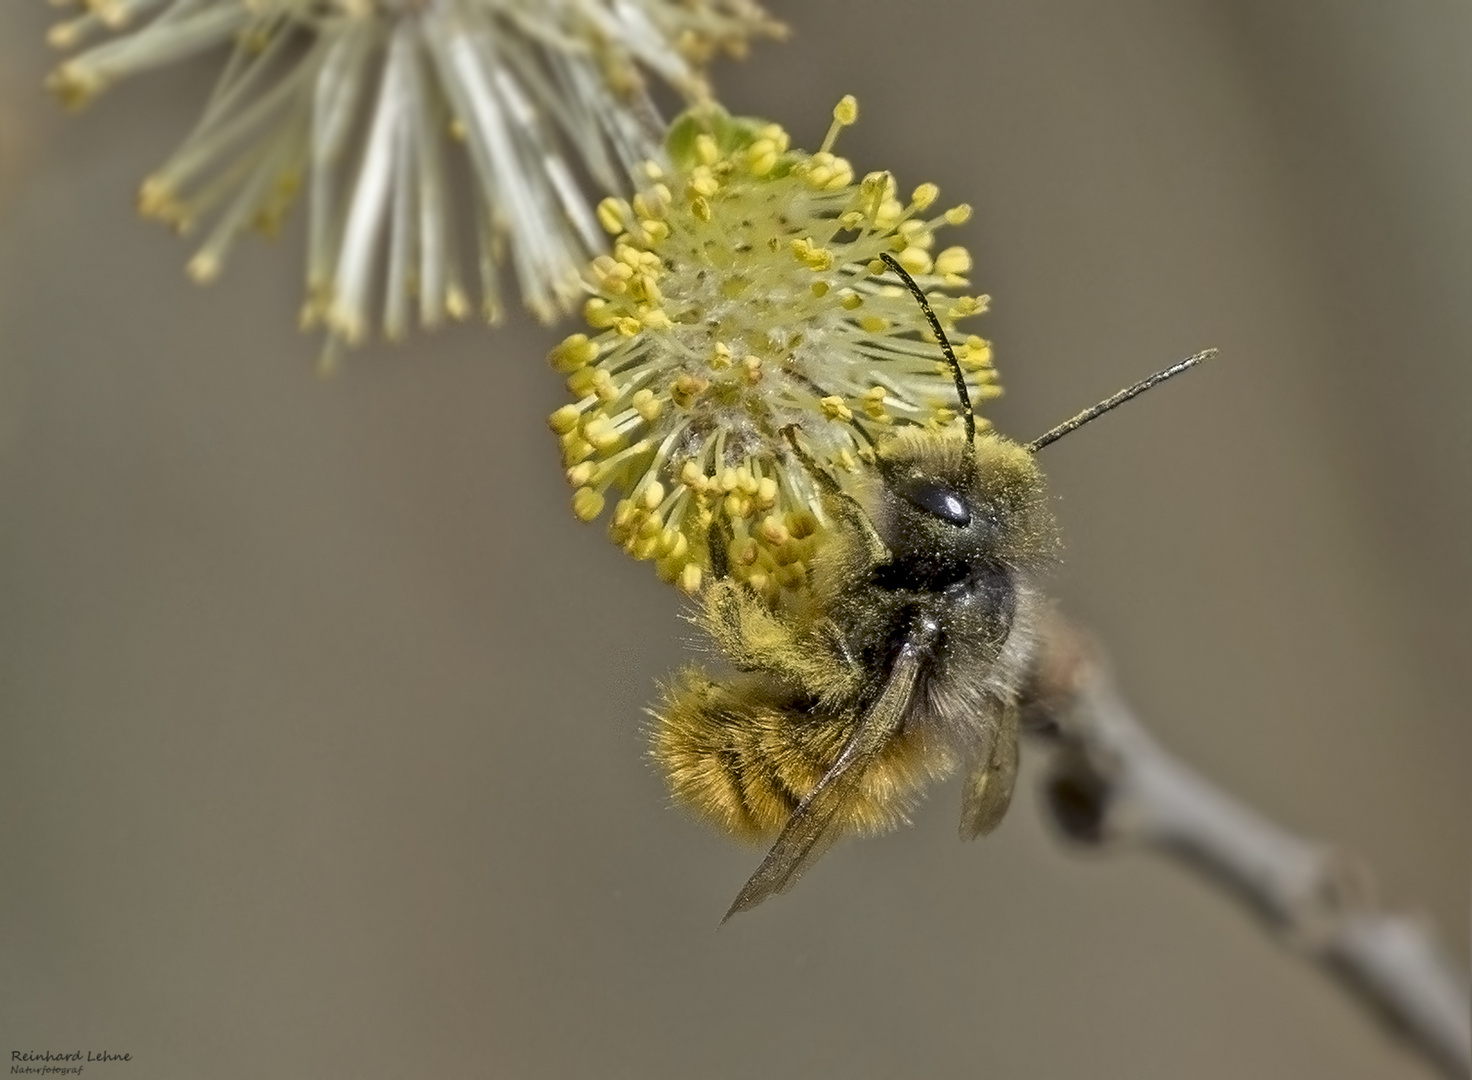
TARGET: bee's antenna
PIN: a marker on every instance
(945, 347)
(1115, 400)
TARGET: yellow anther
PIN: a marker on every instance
(834, 409)
(761, 157)
(650, 525)
(643, 288)
(654, 230)
(689, 581)
(587, 503)
(648, 205)
(976, 354)
(753, 368)
(612, 213)
(205, 267)
(707, 150)
(818, 175)
(874, 324)
(599, 431)
(625, 514)
(575, 449)
(965, 306)
(604, 387)
(581, 382)
(599, 313)
(155, 197)
(953, 260)
(766, 493)
(581, 475)
(812, 256)
(915, 259)
(65, 35)
(647, 405)
(626, 326)
(846, 112)
(653, 495)
(958, 215)
(720, 357)
(564, 419)
(924, 195)
(576, 351)
(889, 214)
(850, 300)
(654, 318)
(674, 544)
(693, 478)
(914, 231)
(703, 182)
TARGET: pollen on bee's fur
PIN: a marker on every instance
(744, 298)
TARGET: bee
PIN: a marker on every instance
(905, 659)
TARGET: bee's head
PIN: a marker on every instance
(949, 504)
(943, 511)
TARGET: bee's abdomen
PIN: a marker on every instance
(743, 754)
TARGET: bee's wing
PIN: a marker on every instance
(990, 782)
(810, 830)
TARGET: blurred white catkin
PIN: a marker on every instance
(369, 104)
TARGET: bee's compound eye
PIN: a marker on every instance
(935, 499)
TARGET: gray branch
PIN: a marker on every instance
(1110, 782)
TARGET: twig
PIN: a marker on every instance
(1110, 781)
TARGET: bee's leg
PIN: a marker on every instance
(839, 502)
(754, 638)
(988, 789)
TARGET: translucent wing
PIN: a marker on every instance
(810, 830)
(989, 784)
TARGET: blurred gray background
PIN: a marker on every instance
(320, 747)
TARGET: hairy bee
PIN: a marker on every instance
(904, 660)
